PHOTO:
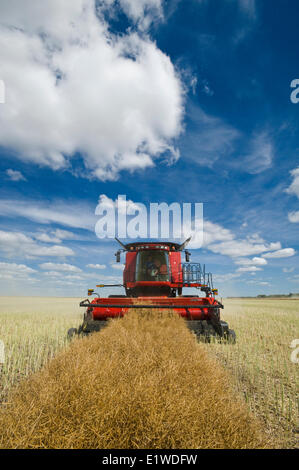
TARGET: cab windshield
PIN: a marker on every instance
(152, 265)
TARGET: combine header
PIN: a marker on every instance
(153, 278)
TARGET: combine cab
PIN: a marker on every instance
(153, 278)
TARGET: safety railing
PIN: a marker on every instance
(187, 273)
(195, 273)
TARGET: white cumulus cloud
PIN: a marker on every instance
(243, 247)
(60, 267)
(256, 261)
(249, 269)
(63, 234)
(294, 217)
(55, 236)
(284, 253)
(73, 86)
(96, 266)
(45, 238)
(13, 269)
(118, 266)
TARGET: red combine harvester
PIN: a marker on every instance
(154, 277)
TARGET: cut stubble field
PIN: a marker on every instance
(259, 367)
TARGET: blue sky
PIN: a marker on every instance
(177, 101)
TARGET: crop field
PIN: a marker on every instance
(33, 330)
(260, 362)
(165, 384)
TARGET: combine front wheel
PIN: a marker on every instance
(231, 337)
(206, 331)
(72, 332)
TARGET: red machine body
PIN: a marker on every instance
(158, 289)
(154, 277)
(198, 308)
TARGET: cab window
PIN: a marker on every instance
(152, 265)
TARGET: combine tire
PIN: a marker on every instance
(92, 326)
(231, 337)
(72, 332)
(205, 331)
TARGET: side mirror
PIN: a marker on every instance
(117, 254)
(187, 256)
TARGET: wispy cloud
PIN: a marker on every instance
(74, 214)
(221, 240)
(211, 139)
(294, 186)
(63, 234)
(60, 267)
(251, 262)
(55, 236)
(45, 238)
(224, 278)
(284, 253)
(248, 7)
(120, 267)
(294, 217)
(16, 244)
(96, 266)
(293, 189)
(142, 12)
(15, 175)
(249, 269)
(260, 154)
(237, 248)
(288, 270)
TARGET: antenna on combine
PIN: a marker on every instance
(183, 245)
(121, 244)
(117, 254)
